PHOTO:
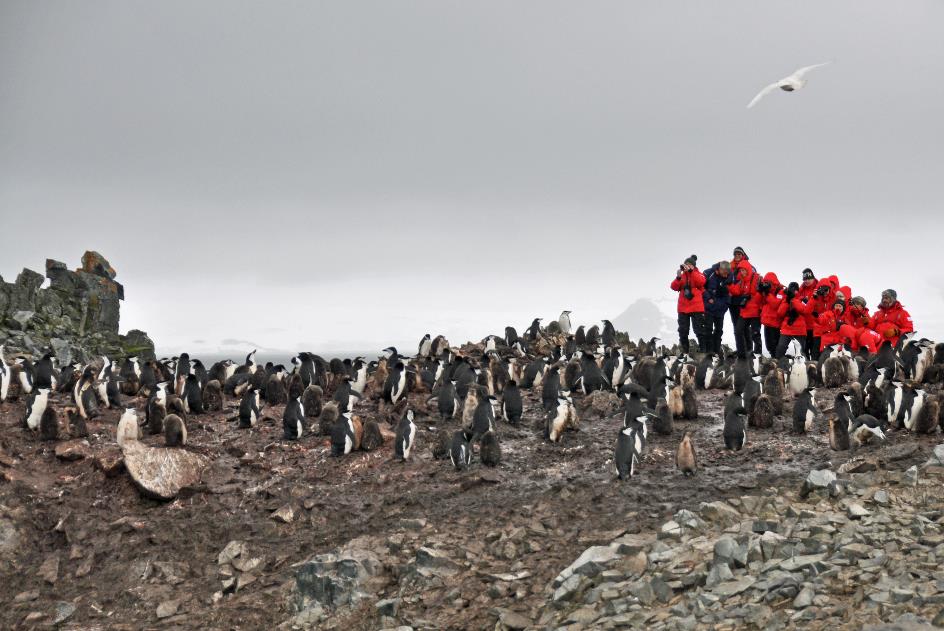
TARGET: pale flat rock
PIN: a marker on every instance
(161, 472)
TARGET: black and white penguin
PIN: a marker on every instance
(45, 374)
(705, 370)
(5, 376)
(293, 420)
(460, 450)
(580, 336)
(483, 420)
(742, 373)
(591, 377)
(84, 394)
(564, 322)
(534, 373)
(752, 390)
(550, 389)
(25, 374)
(130, 376)
(512, 406)
(913, 400)
(35, 407)
(511, 336)
(557, 419)
(192, 396)
(447, 401)
(533, 332)
(395, 384)
(633, 407)
(306, 367)
(406, 435)
(343, 435)
(630, 444)
(609, 333)
(175, 431)
(894, 399)
(685, 458)
(805, 411)
(249, 409)
(735, 434)
(182, 371)
(128, 429)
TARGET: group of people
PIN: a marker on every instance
(816, 312)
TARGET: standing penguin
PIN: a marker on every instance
(564, 322)
(799, 375)
(156, 409)
(406, 434)
(609, 333)
(550, 390)
(483, 419)
(293, 420)
(4, 376)
(557, 419)
(192, 396)
(36, 407)
(927, 419)
(49, 424)
(630, 443)
(511, 403)
(773, 388)
(752, 390)
(490, 449)
(425, 346)
(460, 450)
(913, 401)
(662, 423)
(838, 435)
(311, 401)
(742, 373)
(175, 431)
(735, 435)
(534, 331)
(805, 411)
(249, 409)
(25, 374)
(685, 459)
(44, 373)
(128, 429)
(447, 401)
(213, 396)
(344, 435)
(395, 385)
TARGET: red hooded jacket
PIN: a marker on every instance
(892, 322)
(696, 281)
(798, 326)
(808, 292)
(772, 300)
(746, 285)
(857, 317)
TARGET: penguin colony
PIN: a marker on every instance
(641, 385)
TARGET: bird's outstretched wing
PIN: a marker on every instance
(802, 71)
(770, 88)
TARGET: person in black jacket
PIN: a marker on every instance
(717, 300)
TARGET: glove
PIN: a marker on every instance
(891, 332)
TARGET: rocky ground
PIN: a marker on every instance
(282, 534)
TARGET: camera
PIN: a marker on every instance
(822, 291)
(687, 290)
(763, 286)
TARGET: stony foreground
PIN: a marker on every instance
(279, 534)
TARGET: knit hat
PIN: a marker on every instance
(740, 250)
(793, 287)
(890, 293)
(808, 274)
(692, 260)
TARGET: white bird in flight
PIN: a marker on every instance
(787, 84)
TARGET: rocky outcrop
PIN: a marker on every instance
(161, 472)
(76, 316)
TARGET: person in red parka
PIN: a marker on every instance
(833, 327)
(857, 316)
(891, 320)
(793, 311)
(747, 328)
(770, 288)
(808, 290)
(690, 283)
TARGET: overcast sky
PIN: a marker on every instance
(335, 175)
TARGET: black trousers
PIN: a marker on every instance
(812, 346)
(785, 342)
(735, 314)
(771, 337)
(688, 321)
(747, 336)
(714, 329)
